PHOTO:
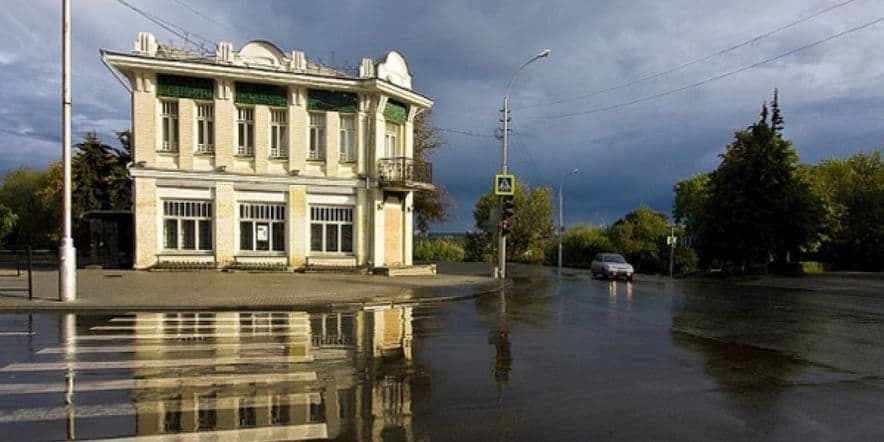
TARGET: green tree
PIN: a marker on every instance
(691, 198)
(759, 207)
(641, 237)
(579, 245)
(531, 226)
(429, 205)
(7, 221)
(100, 175)
(852, 193)
(24, 192)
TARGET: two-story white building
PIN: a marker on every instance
(260, 157)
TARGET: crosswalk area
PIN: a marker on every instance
(206, 376)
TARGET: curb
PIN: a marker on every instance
(57, 307)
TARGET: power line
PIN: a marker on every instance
(466, 133)
(204, 16)
(168, 26)
(716, 77)
(693, 62)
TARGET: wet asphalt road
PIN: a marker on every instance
(555, 358)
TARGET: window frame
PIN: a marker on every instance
(170, 127)
(279, 136)
(332, 218)
(181, 212)
(316, 148)
(205, 126)
(347, 138)
(394, 131)
(274, 215)
(245, 122)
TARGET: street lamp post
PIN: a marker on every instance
(562, 212)
(503, 151)
(67, 256)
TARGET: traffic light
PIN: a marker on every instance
(509, 207)
(505, 227)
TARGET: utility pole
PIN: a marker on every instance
(503, 148)
(505, 118)
(562, 213)
(67, 255)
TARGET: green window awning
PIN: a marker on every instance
(331, 101)
(396, 111)
(256, 93)
(178, 86)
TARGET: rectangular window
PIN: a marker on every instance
(316, 239)
(279, 146)
(205, 128)
(187, 225)
(245, 130)
(391, 140)
(170, 233)
(317, 137)
(331, 229)
(169, 123)
(348, 138)
(262, 227)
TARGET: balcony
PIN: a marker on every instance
(402, 173)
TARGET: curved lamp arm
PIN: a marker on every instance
(543, 54)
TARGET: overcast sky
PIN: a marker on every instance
(462, 54)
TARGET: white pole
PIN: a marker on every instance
(67, 271)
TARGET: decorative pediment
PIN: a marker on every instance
(261, 52)
(394, 69)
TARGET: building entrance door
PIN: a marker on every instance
(392, 231)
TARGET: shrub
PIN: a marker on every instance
(579, 245)
(438, 249)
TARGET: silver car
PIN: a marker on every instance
(610, 265)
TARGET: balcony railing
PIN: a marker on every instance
(405, 173)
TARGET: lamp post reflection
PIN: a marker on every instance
(68, 339)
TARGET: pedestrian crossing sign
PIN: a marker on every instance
(504, 184)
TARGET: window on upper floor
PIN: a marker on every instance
(279, 146)
(205, 127)
(392, 140)
(317, 137)
(169, 123)
(245, 130)
(347, 139)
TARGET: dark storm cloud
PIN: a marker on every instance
(462, 54)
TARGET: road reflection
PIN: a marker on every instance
(230, 375)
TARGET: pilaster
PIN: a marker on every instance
(186, 133)
(262, 138)
(146, 222)
(360, 226)
(297, 225)
(298, 124)
(225, 124)
(144, 117)
(225, 224)
(332, 148)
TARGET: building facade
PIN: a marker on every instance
(260, 157)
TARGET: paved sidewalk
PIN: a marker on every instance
(130, 290)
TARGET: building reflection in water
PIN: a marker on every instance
(281, 375)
